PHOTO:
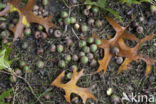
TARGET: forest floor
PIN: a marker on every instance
(31, 50)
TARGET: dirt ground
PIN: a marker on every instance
(40, 79)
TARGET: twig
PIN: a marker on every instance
(11, 72)
(75, 34)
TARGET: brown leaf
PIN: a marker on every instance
(131, 54)
(26, 16)
(71, 87)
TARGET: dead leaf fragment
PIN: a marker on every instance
(71, 87)
(26, 16)
(130, 54)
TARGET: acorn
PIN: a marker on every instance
(82, 43)
(60, 48)
(3, 25)
(109, 91)
(95, 9)
(4, 34)
(40, 64)
(64, 14)
(57, 33)
(98, 23)
(35, 13)
(27, 25)
(68, 58)
(139, 29)
(93, 63)
(25, 45)
(53, 48)
(97, 41)
(69, 42)
(84, 60)
(37, 35)
(75, 58)
(119, 60)
(26, 69)
(69, 75)
(76, 26)
(73, 67)
(40, 27)
(81, 54)
(86, 49)
(115, 50)
(84, 28)
(90, 56)
(72, 20)
(45, 2)
(91, 21)
(22, 63)
(27, 32)
(93, 48)
(67, 21)
(86, 12)
(35, 8)
(90, 40)
(62, 63)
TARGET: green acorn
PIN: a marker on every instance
(69, 75)
(86, 49)
(27, 32)
(68, 58)
(84, 28)
(62, 63)
(45, 2)
(64, 14)
(67, 21)
(84, 60)
(60, 48)
(82, 43)
(90, 40)
(40, 64)
(93, 48)
(97, 41)
(26, 69)
(72, 20)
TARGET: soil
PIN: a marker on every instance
(130, 81)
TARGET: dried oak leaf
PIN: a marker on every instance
(71, 87)
(26, 16)
(128, 53)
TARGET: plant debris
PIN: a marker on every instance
(26, 16)
(71, 87)
(128, 53)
